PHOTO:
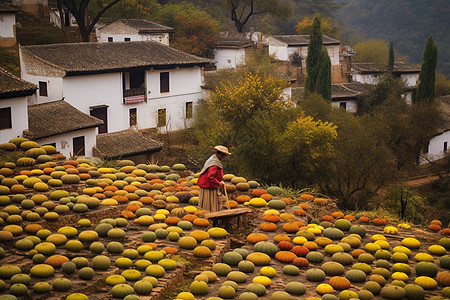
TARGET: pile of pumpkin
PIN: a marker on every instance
(332, 259)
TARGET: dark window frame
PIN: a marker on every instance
(189, 110)
(110, 39)
(82, 150)
(5, 118)
(164, 86)
(43, 89)
(133, 116)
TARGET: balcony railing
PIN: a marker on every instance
(135, 95)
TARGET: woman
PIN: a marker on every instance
(211, 179)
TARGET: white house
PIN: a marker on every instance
(143, 84)
(233, 49)
(283, 47)
(125, 30)
(439, 145)
(14, 94)
(345, 95)
(371, 72)
(60, 124)
(7, 25)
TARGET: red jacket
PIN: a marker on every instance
(211, 178)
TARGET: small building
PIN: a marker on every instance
(438, 146)
(143, 84)
(14, 94)
(126, 30)
(60, 124)
(126, 144)
(345, 95)
(370, 72)
(295, 47)
(7, 25)
(233, 49)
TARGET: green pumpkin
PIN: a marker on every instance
(221, 269)
(424, 268)
(86, 273)
(62, 284)
(42, 288)
(291, 270)
(198, 288)
(333, 233)
(122, 290)
(101, 262)
(246, 266)
(143, 287)
(333, 268)
(393, 292)
(315, 275)
(295, 288)
(18, 289)
(256, 288)
(226, 292)
(231, 258)
(343, 224)
(266, 247)
(355, 276)
(237, 276)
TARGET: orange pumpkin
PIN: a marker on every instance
(285, 245)
(320, 200)
(443, 278)
(153, 245)
(446, 230)
(127, 214)
(156, 180)
(285, 256)
(99, 196)
(281, 237)
(258, 192)
(379, 221)
(56, 260)
(357, 252)
(437, 222)
(120, 198)
(257, 237)
(327, 218)
(303, 206)
(434, 227)
(200, 212)
(364, 219)
(299, 212)
(71, 162)
(290, 227)
(300, 262)
(350, 217)
(266, 197)
(133, 208)
(48, 171)
(306, 197)
(299, 223)
(26, 172)
(172, 220)
(68, 166)
(170, 250)
(243, 199)
(201, 222)
(190, 217)
(300, 251)
(339, 283)
(111, 188)
(272, 218)
(268, 226)
(72, 171)
(32, 228)
(288, 201)
(233, 204)
(132, 196)
(337, 215)
(84, 176)
(146, 200)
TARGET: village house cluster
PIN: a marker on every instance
(85, 98)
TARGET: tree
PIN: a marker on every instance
(128, 9)
(195, 31)
(323, 85)
(390, 67)
(243, 10)
(427, 77)
(313, 58)
(327, 27)
(373, 50)
(79, 9)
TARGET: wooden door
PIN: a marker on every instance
(102, 114)
(78, 146)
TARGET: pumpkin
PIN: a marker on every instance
(256, 288)
(42, 271)
(232, 258)
(290, 227)
(266, 247)
(443, 278)
(268, 226)
(315, 275)
(300, 262)
(285, 256)
(56, 260)
(295, 288)
(392, 292)
(339, 282)
(285, 245)
(202, 251)
(221, 269)
(259, 258)
(256, 237)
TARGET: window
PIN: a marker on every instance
(110, 39)
(101, 112)
(445, 146)
(5, 118)
(66, 18)
(78, 146)
(164, 82)
(133, 79)
(189, 110)
(127, 39)
(343, 105)
(161, 117)
(43, 89)
(133, 117)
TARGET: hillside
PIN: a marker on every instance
(407, 23)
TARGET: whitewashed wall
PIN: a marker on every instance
(64, 142)
(7, 22)
(19, 118)
(351, 105)
(161, 38)
(363, 78)
(229, 58)
(410, 79)
(54, 88)
(436, 147)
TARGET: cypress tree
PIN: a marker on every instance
(314, 53)
(390, 67)
(323, 83)
(427, 77)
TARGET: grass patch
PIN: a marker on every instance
(9, 60)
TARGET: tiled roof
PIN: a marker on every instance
(82, 58)
(234, 40)
(12, 86)
(56, 117)
(303, 40)
(125, 143)
(8, 8)
(146, 26)
(347, 90)
(399, 67)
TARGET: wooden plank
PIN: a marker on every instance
(227, 213)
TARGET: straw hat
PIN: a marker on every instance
(220, 148)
